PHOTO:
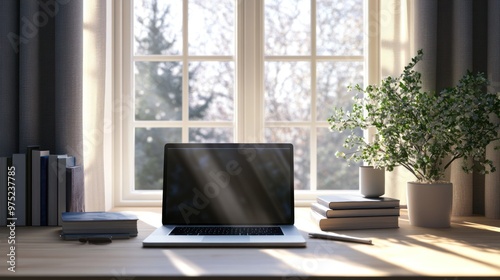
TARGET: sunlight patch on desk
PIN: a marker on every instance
(185, 266)
(294, 261)
(392, 252)
(435, 253)
(480, 226)
(319, 261)
(465, 251)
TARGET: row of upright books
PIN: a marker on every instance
(36, 187)
(353, 211)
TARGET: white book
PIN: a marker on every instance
(36, 186)
(62, 164)
(19, 162)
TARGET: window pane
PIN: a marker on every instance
(334, 173)
(149, 148)
(288, 91)
(287, 27)
(333, 78)
(157, 27)
(158, 90)
(211, 135)
(211, 91)
(211, 27)
(300, 139)
(208, 110)
(339, 27)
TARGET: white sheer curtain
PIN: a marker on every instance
(395, 52)
(97, 124)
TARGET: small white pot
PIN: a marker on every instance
(429, 205)
(371, 181)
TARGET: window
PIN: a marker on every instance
(236, 71)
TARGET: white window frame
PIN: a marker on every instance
(249, 96)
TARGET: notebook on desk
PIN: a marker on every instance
(227, 195)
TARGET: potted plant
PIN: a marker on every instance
(424, 132)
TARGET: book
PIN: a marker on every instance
(3, 191)
(361, 212)
(19, 162)
(52, 204)
(75, 189)
(352, 223)
(356, 201)
(36, 185)
(29, 178)
(44, 182)
(98, 223)
(62, 163)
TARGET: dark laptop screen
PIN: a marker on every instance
(228, 184)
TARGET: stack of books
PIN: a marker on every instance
(115, 225)
(36, 186)
(353, 211)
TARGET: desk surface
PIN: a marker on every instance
(471, 247)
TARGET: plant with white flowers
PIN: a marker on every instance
(422, 131)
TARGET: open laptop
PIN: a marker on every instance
(227, 195)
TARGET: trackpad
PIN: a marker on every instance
(227, 238)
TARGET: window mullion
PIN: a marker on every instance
(185, 72)
(250, 71)
(371, 47)
(240, 70)
(313, 133)
(129, 99)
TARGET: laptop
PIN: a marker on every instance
(227, 195)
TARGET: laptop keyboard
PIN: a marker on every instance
(226, 231)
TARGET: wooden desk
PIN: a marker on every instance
(471, 247)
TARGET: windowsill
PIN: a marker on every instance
(303, 198)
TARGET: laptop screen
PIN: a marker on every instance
(228, 184)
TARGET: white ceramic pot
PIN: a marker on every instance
(429, 205)
(371, 181)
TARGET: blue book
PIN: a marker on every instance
(44, 184)
(62, 163)
(99, 223)
(91, 217)
(75, 192)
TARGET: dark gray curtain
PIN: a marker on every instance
(456, 36)
(41, 76)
